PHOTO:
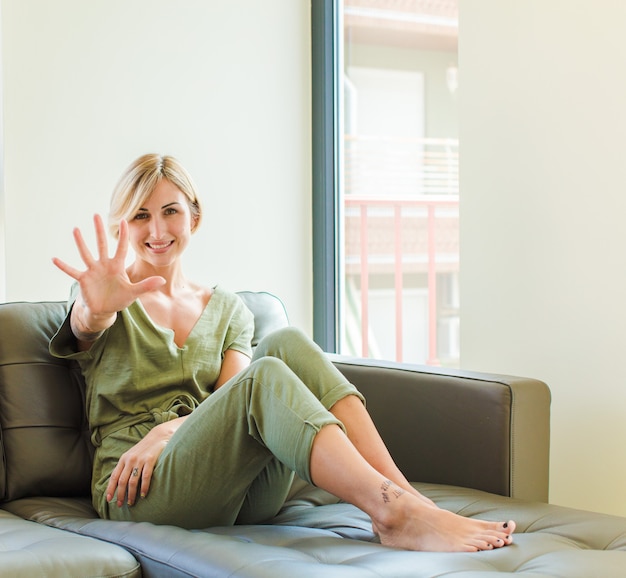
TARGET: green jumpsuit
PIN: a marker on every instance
(233, 459)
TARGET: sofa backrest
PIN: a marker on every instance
(268, 310)
(44, 437)
(45, 448)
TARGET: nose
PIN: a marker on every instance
(156, 227)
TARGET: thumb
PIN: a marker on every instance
(149, 284)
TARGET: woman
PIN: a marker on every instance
(187, 429)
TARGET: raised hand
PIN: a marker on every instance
(105, 287)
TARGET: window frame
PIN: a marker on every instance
(326, 167)
(3, 283)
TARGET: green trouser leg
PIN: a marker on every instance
(232, 460)
(313, 369)
(309, 363)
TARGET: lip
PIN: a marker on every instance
(161, 247)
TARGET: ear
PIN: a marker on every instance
(195, 219)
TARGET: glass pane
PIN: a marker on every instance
(400, 191)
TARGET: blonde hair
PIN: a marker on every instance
(139, 181)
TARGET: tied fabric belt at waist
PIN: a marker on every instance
(179, 407)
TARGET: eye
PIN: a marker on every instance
(170, 211)
(140, 216)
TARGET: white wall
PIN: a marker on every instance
(543, 188)
(224, 85)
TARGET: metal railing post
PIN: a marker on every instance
(399, 279)
(432, 288)
(364, 283)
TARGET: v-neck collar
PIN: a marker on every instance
(170, 332)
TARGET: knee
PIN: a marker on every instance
(272, 371)
(269, 366)
(287, 335)
(283, 340)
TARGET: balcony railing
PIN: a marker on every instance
(401, 221)
(400, 166)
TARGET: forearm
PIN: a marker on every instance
(167, 429)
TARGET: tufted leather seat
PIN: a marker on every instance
(29, 549)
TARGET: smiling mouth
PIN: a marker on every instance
(159, 246)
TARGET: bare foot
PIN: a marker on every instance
(411, 523)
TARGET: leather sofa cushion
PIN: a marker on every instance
(315, 536)
(44, 437)
(30, 549)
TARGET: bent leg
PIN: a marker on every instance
(329, 385)
(359, 469)
(230, 444)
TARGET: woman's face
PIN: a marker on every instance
(161, 229)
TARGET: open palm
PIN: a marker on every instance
(104, 285)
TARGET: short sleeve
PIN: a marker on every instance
(63, 343)
(240, 329)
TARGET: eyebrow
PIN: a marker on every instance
(163, 207)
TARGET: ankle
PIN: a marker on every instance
(391, 505)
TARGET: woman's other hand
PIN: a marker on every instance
(132, 475)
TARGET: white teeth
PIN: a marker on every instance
(158, 245)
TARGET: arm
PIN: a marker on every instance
(234, 362)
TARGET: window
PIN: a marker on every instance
(386, 179)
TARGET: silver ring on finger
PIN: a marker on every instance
(135, 472)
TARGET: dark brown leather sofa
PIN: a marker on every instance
(477, 444)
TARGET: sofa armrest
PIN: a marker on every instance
(476, 430)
